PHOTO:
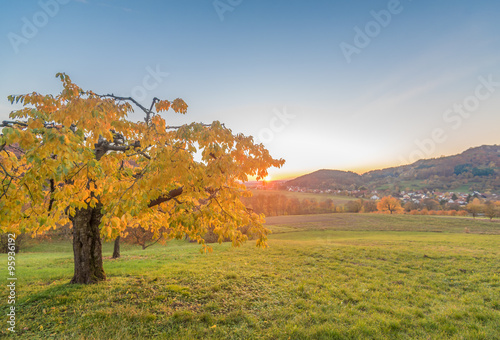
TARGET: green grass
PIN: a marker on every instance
(384, 222)
(463, 188)
(420, 185)
(348, 277)
(412, 185)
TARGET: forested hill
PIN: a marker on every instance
(475, 169)
(327, 179)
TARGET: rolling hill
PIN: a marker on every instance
(474, 169)
(327, 179)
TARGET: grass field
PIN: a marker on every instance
(341, 276)
(412, 185)
(383, 222)
(420, 185)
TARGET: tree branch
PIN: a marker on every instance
(103, 146)
(155, 100)
(146, 111)
(152, 244)
(180, 126)
(165, 198)
(7, 123)
(52, 190)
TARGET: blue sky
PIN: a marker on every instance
(276, 69)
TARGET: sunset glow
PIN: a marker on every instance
(312, 100)
(250, 169)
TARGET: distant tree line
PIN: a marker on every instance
(279, 204)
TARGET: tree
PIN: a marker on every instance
(83, 161)
(327, 206)
(431, 204)
(293, 206)
(491, 209)
(369, 206)
(475, 207)
(4, 243)
(116, 248)
(354, 206)
(411, 205)
(306, 207)
(390, 204)
(141, 236)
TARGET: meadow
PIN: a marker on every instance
(339, 276)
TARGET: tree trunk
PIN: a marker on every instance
(116, 249)
(87, 247)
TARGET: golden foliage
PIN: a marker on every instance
(389, 204)
(60, 171)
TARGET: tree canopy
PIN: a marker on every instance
(77, 150)
(390, 204)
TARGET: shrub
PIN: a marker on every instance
(4, 243)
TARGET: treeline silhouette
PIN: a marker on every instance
(279, 204)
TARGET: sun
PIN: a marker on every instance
(267, 178)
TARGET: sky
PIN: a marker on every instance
(348, 85)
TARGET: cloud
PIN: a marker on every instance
(392, 91)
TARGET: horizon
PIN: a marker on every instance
(351, 87)
(286, 177)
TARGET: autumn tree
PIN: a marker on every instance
(293, 206)
(141, 236)
(492, 209)
(390, 204)
(327, 206)
(369, 206)
(431, 204)
(475, 207)
(83, 161)
(354, 206)
(411, 205)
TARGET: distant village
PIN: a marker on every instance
(416, 196)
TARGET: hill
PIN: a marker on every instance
(476, 169)
(327, 179)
